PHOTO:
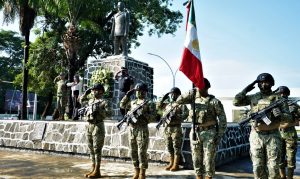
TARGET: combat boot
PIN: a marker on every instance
(93, 168)
(142, 174)
(175, 166)
(199, 177)
(55, 114)
(282, 173)
(171, 163)
(96, 173)
(136, 173)
(290, 173)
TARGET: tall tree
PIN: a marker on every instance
(24, 9)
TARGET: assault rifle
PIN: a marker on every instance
(262, 114)
(82, 111)
(130, 117)
(165, 118)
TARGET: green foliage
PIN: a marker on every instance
(46, 60)
(11, 53)
(105, 77)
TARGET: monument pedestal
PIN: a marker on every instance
(140, 71)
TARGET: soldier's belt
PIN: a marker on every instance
(287, 129)
(202, 128)
(266, 132)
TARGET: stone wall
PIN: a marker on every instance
(140, 71)
(70, 137)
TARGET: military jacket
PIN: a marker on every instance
(207, 109)
(259, 101)
(144, 115)
(177, 115)
(96, 109)
(61, 88)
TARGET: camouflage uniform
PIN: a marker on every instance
(62, 96)
(139, 132)
(173, 132)
(95, 115)
(289, 142)
(265, 146)
(208, 110)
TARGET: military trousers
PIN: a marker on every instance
(204, 152)
(265, 150)
(289, 148)
(138, 142)
(95, 137)
(61, 104)
(173, 137)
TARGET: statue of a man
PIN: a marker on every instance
(120, 30)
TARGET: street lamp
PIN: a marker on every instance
(173, 74)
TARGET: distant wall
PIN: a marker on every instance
(70, 137)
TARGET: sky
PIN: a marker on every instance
(238, 41)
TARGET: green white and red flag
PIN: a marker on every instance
(191, 64)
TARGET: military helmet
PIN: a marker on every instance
(98, 86)
(265, 77)
(175, 90)
(62, 74)
(284, 90)
(141, 86)
(206, 83)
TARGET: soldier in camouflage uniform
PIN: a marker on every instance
(139, 132)
(61, 94)
(265, 140)
(97, 110)
(289, 138)
(210, 126)
(173, 131)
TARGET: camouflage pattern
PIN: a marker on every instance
(173, 132)
(209, 110)
(289, 142)
(95, 128)
(139, 132)
(62, 95)
(265, 146)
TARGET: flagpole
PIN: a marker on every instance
(194, 112)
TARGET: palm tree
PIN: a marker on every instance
(26, 14)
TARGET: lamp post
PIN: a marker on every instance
(173, 74)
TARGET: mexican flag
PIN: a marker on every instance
(191, 64)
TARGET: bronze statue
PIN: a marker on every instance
(120, 30)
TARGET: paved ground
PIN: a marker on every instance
(20, 164)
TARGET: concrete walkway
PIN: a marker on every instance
(23, 164)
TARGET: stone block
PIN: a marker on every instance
(124, 140)
(37, 145)
(29, 145)
(25, 136)
(107, 140)
(71, 138)
(159, 145)
(7, 127)
(115, 140)
(7, 135)
(45, 146)
(1, 134)
(57, 137)
(114, 152)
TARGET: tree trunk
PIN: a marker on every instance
(48, 105)
(25, 76)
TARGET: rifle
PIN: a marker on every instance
(130, 117)
(165, 118)
(262, 114)
(82, 111)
